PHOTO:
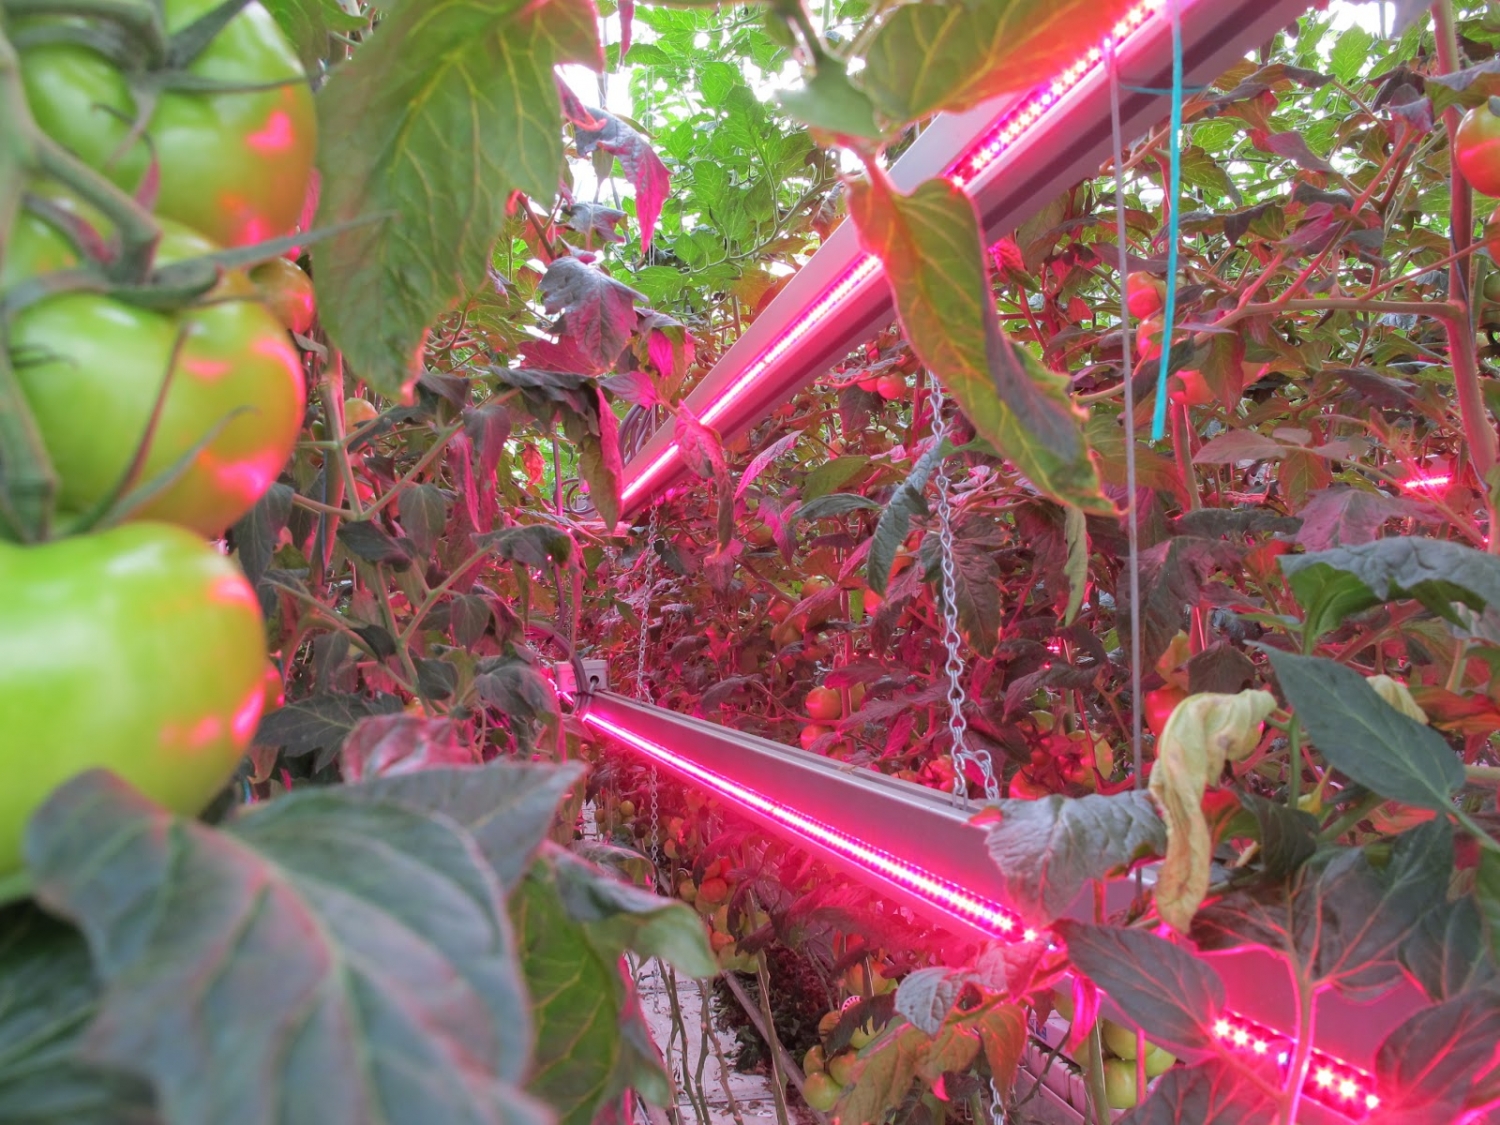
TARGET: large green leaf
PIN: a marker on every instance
(1330, 585)
(1050, 849)
(443, 112)
(1366, 738)
(1214, 1092)
(575, 922)
(324, 959)
(48, 994)
(934, 259)
(953, 55)
(506, 806)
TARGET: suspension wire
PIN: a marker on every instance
(653, 823)
(1174, 207)
(958, 726)
(1132, 513)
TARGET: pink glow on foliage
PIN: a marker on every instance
(277, 135)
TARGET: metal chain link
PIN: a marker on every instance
(958, 726)
(654, 821)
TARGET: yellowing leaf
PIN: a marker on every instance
(1399, 696)
(934, 258)
(1205, 731)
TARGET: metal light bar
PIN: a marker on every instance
(1013, 154)
(931, 859)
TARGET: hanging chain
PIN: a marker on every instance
(654, 821)
(958, 726)
(997, 1104)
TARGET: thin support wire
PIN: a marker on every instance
(1132, 514)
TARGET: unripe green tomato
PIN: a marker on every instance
(91, 368)
(140, 650)
(863, 1035)
(821, 1092)
(1120, 1040)
(1062, 1000)
(627, 809)
(824, 703)
(814, 1061)
(287, 292)
(1119, 1083)
(1158, 1061)
(234, 163)
(841, 1067)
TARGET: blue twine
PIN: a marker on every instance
(1169, 315)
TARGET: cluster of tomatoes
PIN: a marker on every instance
(157, 408)
(831, 1071)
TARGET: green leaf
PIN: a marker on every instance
(308, 23)
(362, 948)
(320, 722)
(954, 55)
(1447, 953)
(575, 922)
(507, 807)
(1076, 532)
(537, 545)
(48, 995)
(836, 504)
(1170, 992)
(832, 103)
(895, 521)
(443, 112)
(829, 475)
(934, 259)
(1440, 1062)
(1049, 850)
(1487, 897)
(1331, 585)
(1367, 739)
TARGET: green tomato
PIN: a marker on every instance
(821, 1092)
(141, 650)
(91, 368)
(841, 1068)
(1120, 1040)
(1119, 1083)
(1158, 1061)
(1476, 147)
(287, 292)
(234, 164)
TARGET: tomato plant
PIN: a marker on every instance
(92, 367)
(232, 136)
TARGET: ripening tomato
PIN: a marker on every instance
(824, 703)
(287, 292)
(139, 649)
(1144, 295)
(821, 1092)
(234, 163)
(890, 387)
(1476, 147)
(91, 368)
(1024, 788)
(1148, 339)
(358, 412)
(1188, 388)
(1159, 706)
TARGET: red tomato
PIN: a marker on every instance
(824, 703)
(1024, 788)
(1144, 295)
(1189, 388)
(890, 386)
(1476, 147)
(1159, 706)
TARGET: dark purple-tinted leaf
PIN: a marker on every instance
(1239, 445)
(424, 513)
(1220, 668)
(1441, 1060)
(594, 220)
(1293, 146)
(1343, 517)
(895, 521)
(1173, 995)
(1447, 954)
(641, 165)
(536, 545)
(598, 312)
(386, 745)
(1172, 576)
(320, 722)
(1211, 1093)
(1288, 837)
(364, 539)
(258, 530)
(1050, 849)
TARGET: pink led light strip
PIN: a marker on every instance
(1330, 1081)
(963, 172)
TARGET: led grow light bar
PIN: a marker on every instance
(940, 870)
(1001, 154)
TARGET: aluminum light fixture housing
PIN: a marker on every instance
(915, 846)
(1013, 154)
